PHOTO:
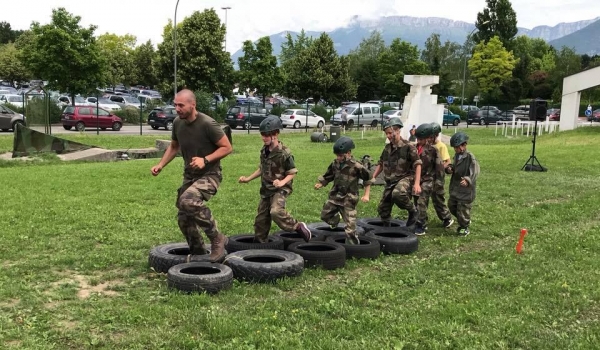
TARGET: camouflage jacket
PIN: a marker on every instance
(432, 168)
(399, 161)
(276, 165)
(345, 178)
(465, 167)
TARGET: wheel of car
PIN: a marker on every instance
(374, 123)
(396, 240)
(67, 127)
(16, 123)
(320, 124)
(162, 257)
(481, 122)
(350, 123)
(264, 265)
(368, 248)
(455, 122)
(296, 125)
(154, 127)
(80, 126)
(246, 241)
(329, 255)
(116, 126)
(169, 125)
(247, 125)
(200, 277)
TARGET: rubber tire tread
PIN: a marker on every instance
(161, 257)
(369, 247)
(315, 237)
(209, 283)
(234, 244)
(367, 226)
(403, 241)
(323, 229)
(257, 272)
(329, 259)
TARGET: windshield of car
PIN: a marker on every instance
(390, 112)
(106, 101)
(288, 112)
(15, 98)
(348, 109)
(79, 99)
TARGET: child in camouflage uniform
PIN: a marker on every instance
(463, 183)
(345, 172)
(438, 194)
(431, 170)
(277, 170)
(401, 168)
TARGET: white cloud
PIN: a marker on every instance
(253, 19)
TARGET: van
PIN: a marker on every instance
(359, 114)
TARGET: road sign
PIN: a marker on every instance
(588, 112)
(589, 108)
(476, 98)
(450, 99)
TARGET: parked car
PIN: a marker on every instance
(394, 105)
(554, 115)
(125, 101)
(595, 117)
(149, 100)
(66, 101)
(162, 117)
(521, 112)
(15, 100)
(359, 114)
(450, 118)
(468, 108)
(487, 116)
(298, 118)
(9, 118)
(103, 103)
(245, 116)
(82, 117)
(391, 114)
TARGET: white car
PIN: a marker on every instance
(15, 100)
(104, 103)
(66, 101)
(297, 118)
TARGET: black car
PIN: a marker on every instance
(486, 117)
(245, 116)
(162, 117)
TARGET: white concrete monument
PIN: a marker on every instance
(420, 106)
(571, 96)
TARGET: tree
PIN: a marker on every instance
(258, 68)
(399, 59)
(501, 22)
(290, 49)
(7, 35)
(143, 57)
(11, 65)
(65, 54)
(491, 65)
(443, 60)
(567, 63)
(363, 66)
(118, 55)
(163, 63)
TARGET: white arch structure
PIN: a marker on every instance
(571, 96)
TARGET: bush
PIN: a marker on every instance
(219, 113)
(385, 109)
(457, 110)
(130, 115)
(321, 111)
(277, 110)
(36, 111)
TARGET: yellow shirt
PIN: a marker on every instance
(442, 150)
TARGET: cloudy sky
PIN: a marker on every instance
(252, 19)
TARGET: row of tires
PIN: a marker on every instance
(284, 255)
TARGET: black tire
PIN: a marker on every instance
(200, 277)
(481, 122)
(264, 265)
(396, 240)
(350, 124)
(374, 123)
(245, 242)
(116, 126)
(329, 255)
(455, 122)
(369, 224)
(163, 257)
(169, 125)
(67, 127)
(293, 237)
(247, 125)
(155, 127)
(323, 229)
(80, 126)
(19, 122)
(296, 125)
(320, 124)
(369, 247)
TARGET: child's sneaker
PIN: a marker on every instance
(420, 230)
(302, 229)
(463, 231)
(448, 222)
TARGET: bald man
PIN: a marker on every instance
(203, 144)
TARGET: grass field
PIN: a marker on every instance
(75, 240)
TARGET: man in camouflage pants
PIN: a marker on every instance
(401, 168)
(431, 170)
(203, 144)
(277, 171)
(345, 172)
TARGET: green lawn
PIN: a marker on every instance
(75, 240)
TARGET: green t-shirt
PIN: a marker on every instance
(197, 139)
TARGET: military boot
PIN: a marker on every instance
(352, 239)
(217, 248)
(412, 218)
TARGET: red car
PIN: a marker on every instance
(554, 115)
(82, 117)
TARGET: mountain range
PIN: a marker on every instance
(582, 35)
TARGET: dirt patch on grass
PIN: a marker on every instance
(13, 343)
(10, 303)
(84, 288)
(68, 325)
(7, 264)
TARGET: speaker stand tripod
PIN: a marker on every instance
(533, 164)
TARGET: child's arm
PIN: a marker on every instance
(326, 178)
(281, 183)
(252, 176)
(365, 197)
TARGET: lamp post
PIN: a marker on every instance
(226, 8)
(462, 98)
(175, 50)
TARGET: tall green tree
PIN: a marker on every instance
(118, 55)
(492, 66)
(444, 61)
(497, 19)
(258, 68)
(65, 54)
(399, 59)
(290, 50)
(143, 56)
(7, 35)
(363, 66)
(11, 65)
(163, 62)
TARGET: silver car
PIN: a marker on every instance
(9, 118)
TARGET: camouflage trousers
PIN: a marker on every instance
(439, 202)
(193, 213)
(347, 210)
(460, 209)
(272, 208)
(422, 201)
(400, 194)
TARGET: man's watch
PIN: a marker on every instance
(206, 162)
